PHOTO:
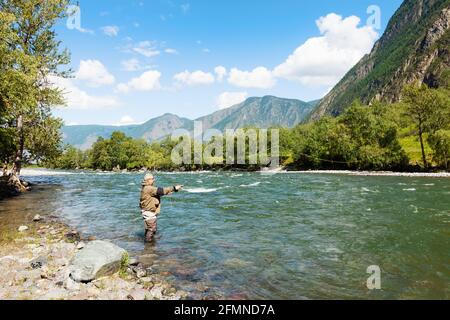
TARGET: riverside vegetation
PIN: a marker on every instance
(411, 135)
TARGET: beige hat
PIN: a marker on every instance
(148, 176)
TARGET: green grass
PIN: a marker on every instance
(411, 145)
(124, 263)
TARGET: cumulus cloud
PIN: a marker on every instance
(110, 31)
(325, 60)
(79, 99)
(147, 49)
(194, 78)
(94, 73)
(148, 81)
(220, 72)
(259, 78)
(228, 99)
(126, 120)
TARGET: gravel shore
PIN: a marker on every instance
(34, 265)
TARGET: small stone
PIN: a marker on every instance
(170, 290)
(23, 228)
(146, 282)
(80, 245)
(39, 262)
(73, 236)
(71, 285)
(45, 273)
(140, 272)
(156, 292)
(138, 294)
(37, 218)
(92, 238)
(133, 261)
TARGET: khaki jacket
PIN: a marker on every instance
(151, 197)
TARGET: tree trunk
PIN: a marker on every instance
(14, 178)
(446, 161)
(424, 158)
(19, 154)
(5, 169)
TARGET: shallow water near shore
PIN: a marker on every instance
(277, 236)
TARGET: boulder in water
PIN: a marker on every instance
(95, 260)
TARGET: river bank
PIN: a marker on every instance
(378, 173)
(35, 264)
(440, 174)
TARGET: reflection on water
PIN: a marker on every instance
(284, 236)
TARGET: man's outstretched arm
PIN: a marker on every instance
(168, 190)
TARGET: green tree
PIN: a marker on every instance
(440, 143)
(12, 82)
(373, 137)
(28, 93)
(428, 110)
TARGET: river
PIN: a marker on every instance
(266, 236)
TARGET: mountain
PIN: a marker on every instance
(83, 136)
(258, 112)
(414, 47)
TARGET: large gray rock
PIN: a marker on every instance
(95, 260)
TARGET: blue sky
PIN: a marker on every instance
(135, 60)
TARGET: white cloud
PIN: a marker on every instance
(260, 78)
(79, 99)
(94, 73)
(325, 60)
(171, 51)
(147, 49)
(220, 72)
(111, 31)
(148, 81)
(194, 78)
(126, 120)
(135, 65)
(83, 30)
(228, 99)
(131, 65)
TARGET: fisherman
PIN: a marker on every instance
(150, 203)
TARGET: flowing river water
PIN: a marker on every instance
(275, 236)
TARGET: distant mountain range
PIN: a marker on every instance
(414, 48)
(258, 112)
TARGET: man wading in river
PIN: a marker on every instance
(150, 203)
